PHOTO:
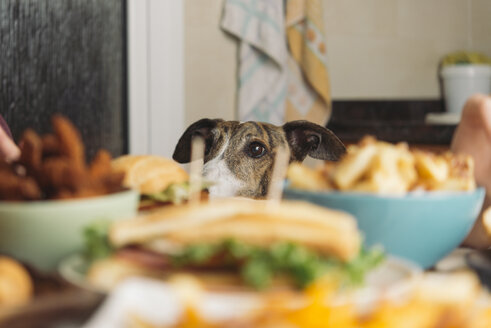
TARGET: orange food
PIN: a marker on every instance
(53, 167)
(16, 286)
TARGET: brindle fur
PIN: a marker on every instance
(299, 137)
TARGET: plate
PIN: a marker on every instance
(73, 269)
(391, 277)
(480, 262)
(158, 303)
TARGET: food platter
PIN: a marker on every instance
(303, 244)
(392, 276)
(392, 279)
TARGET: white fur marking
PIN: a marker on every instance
(226, 184)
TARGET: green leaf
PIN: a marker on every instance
(366, 261)
(258, 265)
(96, 241)
(257, 273)
(237, 250)
(196, 254)
(176, 193)
(465, 58)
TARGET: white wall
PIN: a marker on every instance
(376, 49)
(391, 48)
(480, 25)
(210, 63)
(182, 67)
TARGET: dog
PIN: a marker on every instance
(239, 157)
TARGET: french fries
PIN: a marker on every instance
(380, 167)
(303, 177)
(486, 220)
(53, 167)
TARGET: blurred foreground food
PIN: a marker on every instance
(231, 243)
(380, 167)
(160, 181)
(53, 166)
(436, 301)
(16, 287)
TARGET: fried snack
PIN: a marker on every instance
(380, 167)
(31, 151)
(53, 167)
(391, 170)
(101, 165)
(113, 182)
(59, 174)
(13, 187)
(69, 139)
(431, 168)
(51, 146)
(302, 177)
(16, 287)
(486, 220)
(461, 173)
(355, 164)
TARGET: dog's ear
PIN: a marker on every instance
(307, 138)
(202, 128)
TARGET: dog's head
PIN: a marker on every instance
(239, 157)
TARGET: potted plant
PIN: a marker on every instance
(463, 74)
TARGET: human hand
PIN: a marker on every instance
(473, 137)
(8, 149)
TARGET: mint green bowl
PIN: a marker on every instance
(421, 227)
(42, 233)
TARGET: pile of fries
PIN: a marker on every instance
(428, 304)
(381, 167)
(53, 166)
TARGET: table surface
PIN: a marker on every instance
(59, 304)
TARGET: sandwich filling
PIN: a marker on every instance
(257, 265)
(175, 193)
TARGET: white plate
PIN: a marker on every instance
(157, 302)
(390, 273)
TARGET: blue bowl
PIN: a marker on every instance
(421, 227)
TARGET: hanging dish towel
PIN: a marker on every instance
(275, 85)
(309, 94)
(263, 57)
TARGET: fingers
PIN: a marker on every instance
(477, 111)
(8, 149)
(473, 136)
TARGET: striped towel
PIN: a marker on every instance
(275, 85)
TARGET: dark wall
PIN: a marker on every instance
(65, 56)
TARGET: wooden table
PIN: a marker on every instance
(55, 302)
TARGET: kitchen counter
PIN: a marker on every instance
(389, 120)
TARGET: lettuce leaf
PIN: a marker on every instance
(96, 241)
(258, 265)
(175, 193)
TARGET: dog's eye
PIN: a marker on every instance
(256, 150)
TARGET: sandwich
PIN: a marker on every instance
(159, 180)
(234, 243)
